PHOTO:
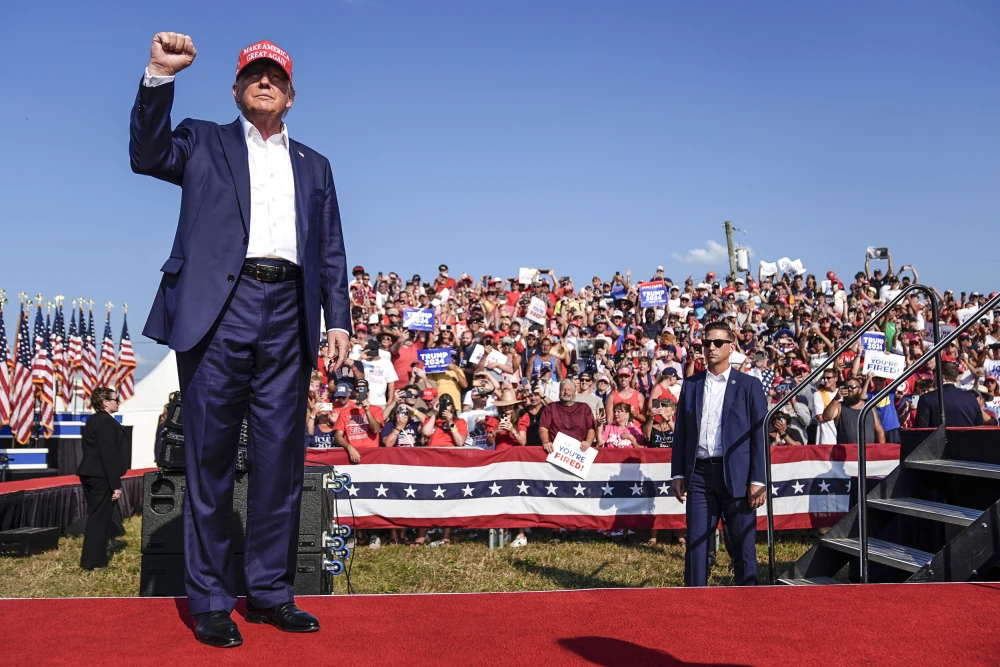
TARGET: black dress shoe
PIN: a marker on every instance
(217, 629)
(286, 617)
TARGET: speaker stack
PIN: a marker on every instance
(321, 547)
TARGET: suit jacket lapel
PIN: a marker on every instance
(301, 204)
(235, 147)
(699, 400)
(730, 396)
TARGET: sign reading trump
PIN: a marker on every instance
(653, 294)
(418, 319)
(873, 342)
(435, 360)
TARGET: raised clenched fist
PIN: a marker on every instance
(171, 52)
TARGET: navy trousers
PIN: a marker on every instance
(253, 357)
(707, 501)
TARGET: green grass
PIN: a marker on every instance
(465, 566)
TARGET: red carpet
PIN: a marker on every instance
(906, 624)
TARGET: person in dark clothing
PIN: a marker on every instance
(844, 412)
(100, 470)
(960, 407)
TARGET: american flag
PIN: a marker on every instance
(88, 357)
(42, 374)
(4, 373)
(126, 363)
(625, 488)
(106, 376)
(22, 391)
(60, 363)
(75, 349)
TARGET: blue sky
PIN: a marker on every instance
(586, 136)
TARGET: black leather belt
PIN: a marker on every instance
(711, 460)
(270, 273)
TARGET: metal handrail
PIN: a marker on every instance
(862, 330)
(876, 399)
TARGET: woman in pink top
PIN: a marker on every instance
(623, 432)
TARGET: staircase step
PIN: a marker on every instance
(926, 509)
(956, 467)
(810, 581)
(880, 551)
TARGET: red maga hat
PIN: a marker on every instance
(265, 49)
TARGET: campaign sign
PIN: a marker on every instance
(991, 367)
(618, 291)
(566, 454)
(536, 311)
(884, 365)
(653, 294)
(418, 319)
(796, 267)
(768, 269)
(435, 360)
(826, 286)
(873, 342)
(525, 276)
(785, 265)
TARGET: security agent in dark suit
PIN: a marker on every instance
(100, 471)
(960, 407)
(718, 459)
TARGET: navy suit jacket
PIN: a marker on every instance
(960, 409)
(744, 410)
(210, 163)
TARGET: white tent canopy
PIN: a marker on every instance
(142, 411)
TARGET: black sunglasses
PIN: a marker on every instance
(717, 342)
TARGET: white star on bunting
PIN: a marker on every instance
(636, 489)
(410, 492)
(522, 488)
(380, 489)
(665, 489)
(467, 491)
(551, 489)
(824, 487)
(352, 490)
(495, 489)
(579, 489)
(797, 487)
(439, 492)
(607, 489)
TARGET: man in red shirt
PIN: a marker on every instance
(358, 423)
(404, 355)
(567, 416)
(443, 282)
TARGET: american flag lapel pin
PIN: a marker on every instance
(300, 153)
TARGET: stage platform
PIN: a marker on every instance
(908, 624)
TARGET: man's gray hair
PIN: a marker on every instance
(566, 381)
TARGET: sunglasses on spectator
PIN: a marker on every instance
(717, 342)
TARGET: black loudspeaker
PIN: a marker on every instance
(315, 512)
(310, 577)
(163, 534)
(163, 513)
(21, 542)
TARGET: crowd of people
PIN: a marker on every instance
(608, 372)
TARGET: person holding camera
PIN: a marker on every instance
(359, 423)
(623, 432)
(403, 428)
(445, 428)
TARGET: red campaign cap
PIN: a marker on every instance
(265, 49)
(830, 275)
(429, 394)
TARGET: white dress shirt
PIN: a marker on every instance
(710, 428)
(272, 190)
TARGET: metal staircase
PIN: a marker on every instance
(936, 517)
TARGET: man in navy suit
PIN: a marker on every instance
(718, 459)
(257, 253)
